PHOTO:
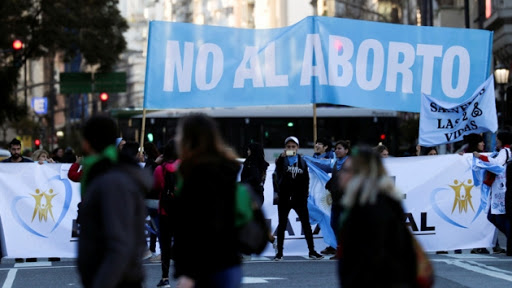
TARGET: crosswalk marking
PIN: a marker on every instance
(33, 264)
(481, 268)
(259, 280)
(470, 256)
(9, 280)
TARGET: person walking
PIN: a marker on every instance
(254, 174)
(206, 247)
(292, 179)
(112, 239)
(152, 160)
(376, 246)
(165, 186)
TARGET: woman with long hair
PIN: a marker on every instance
(342, 152)
(205, 207)
(254, 171)
(164, 185)
(377, 247)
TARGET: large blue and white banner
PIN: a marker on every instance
(318, 60)
(442, 122)
(444, 207)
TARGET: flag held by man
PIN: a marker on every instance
(442, 122)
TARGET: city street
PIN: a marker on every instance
(452, 271)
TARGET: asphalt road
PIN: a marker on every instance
(452, 271)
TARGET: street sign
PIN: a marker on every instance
(78, 82)
(110, 82)
(73, 82)
(40, 105)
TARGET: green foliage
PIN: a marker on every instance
(93, 28)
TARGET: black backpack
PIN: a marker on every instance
(167, 197)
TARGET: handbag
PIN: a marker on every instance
(424, 269)
(253, 233)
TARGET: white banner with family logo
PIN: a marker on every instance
(38, 205)
(443, 208)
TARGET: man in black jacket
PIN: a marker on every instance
(292, 178)
(15, 149)
(112, 212)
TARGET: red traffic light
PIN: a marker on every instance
(104, 97)
(37, 142)
(17, 44)
(382, 137)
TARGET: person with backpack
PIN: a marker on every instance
(495, 185)
(165, 185)
(206, 241)
(292, 186)
(254, 174)
(153, 158)
(112, 239)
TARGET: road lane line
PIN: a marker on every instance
(9, 280)
(33, 264)
(481, 270)
(490, 267)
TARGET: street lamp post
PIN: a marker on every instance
(501, 73)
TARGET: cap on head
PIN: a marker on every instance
(291, 138)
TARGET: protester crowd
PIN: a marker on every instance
(191, 182)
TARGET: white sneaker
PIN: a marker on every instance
(147, 254)
(274, 245)
(156, 258)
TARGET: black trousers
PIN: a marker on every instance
(301, 208)
(165, 241)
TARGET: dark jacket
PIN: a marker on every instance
(332, 186)
(23, 160)
(112, 240)
(205, 240)
(377, 249)
(254, 175)
(292, 180)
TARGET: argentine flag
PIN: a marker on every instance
(319, 200)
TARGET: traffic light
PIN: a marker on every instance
(103, 96)
(382, 137)
(37, 143)
(17, 44)
(103, 99)
(150, 137)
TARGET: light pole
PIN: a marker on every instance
(501, 73)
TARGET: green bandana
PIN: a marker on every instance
(88, 162)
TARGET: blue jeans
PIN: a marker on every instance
(228, 278)
(153, 214)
